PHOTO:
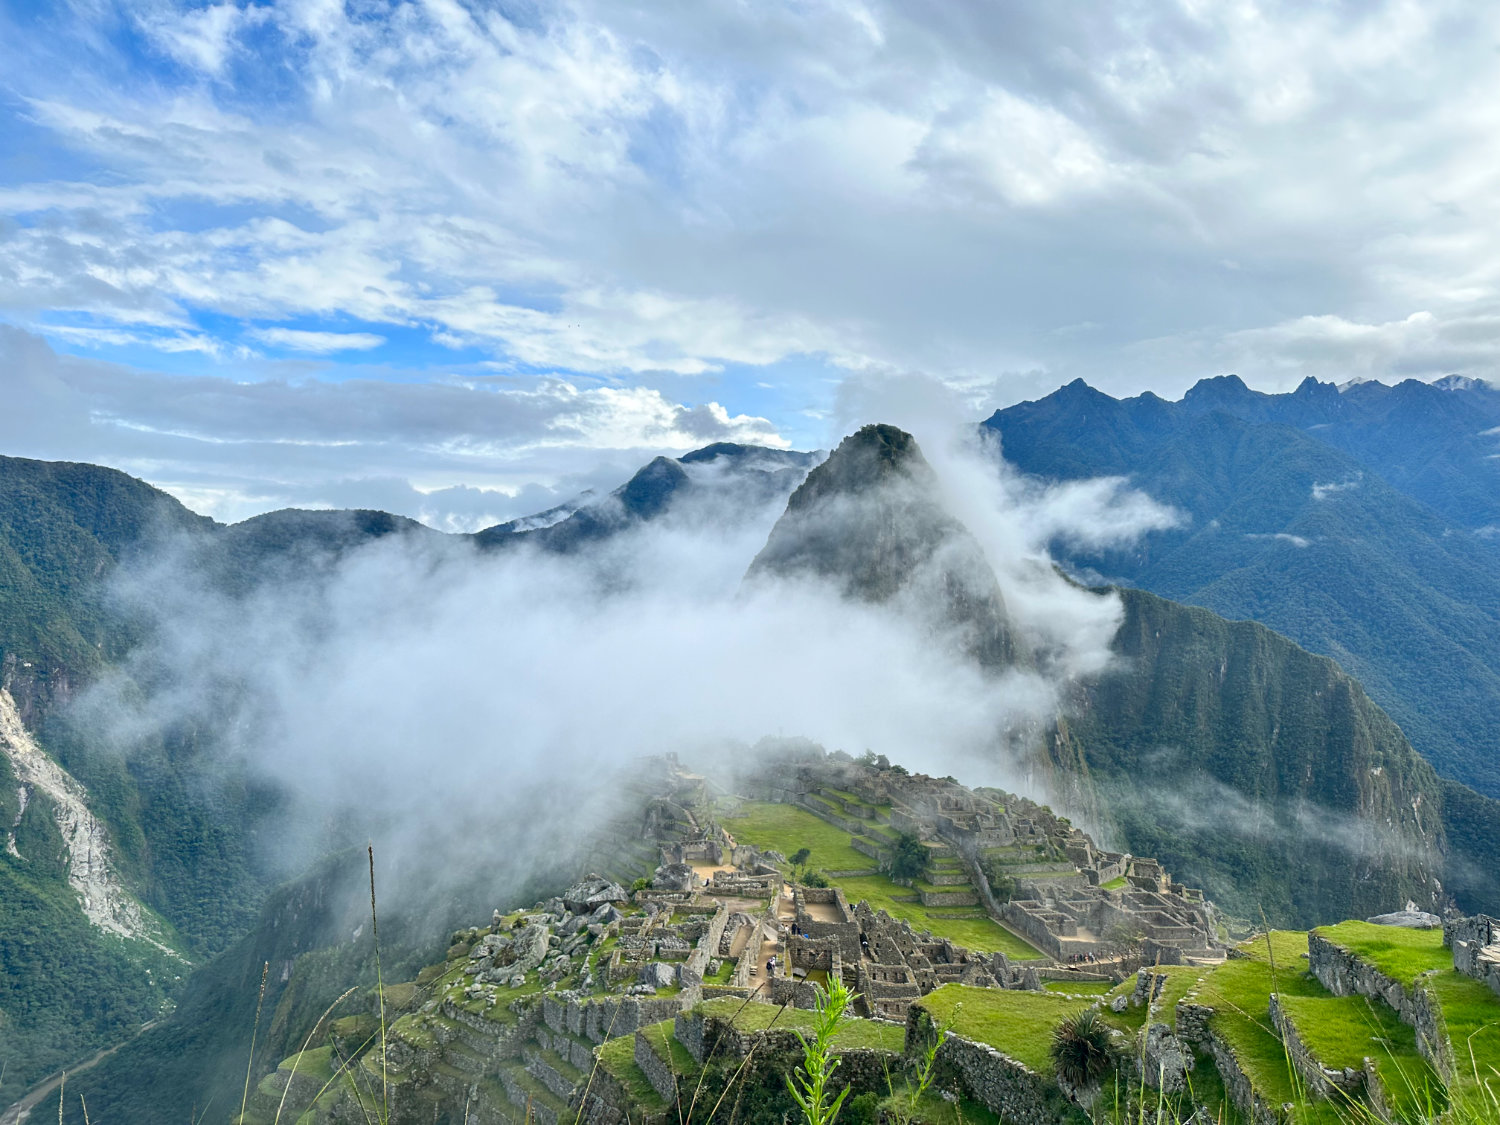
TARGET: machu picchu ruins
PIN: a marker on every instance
(622, 999)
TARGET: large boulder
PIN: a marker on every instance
(587, 895)
(530, 947)
(658, 975)
(674, 877)
(1410, 918)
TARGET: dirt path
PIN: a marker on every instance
(19, 1111)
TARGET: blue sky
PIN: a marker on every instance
(465, 259)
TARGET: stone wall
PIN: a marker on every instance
(1193, 1027)
(1031, 928)
(1475, 942)
(611, 1017)
(1019, 1095)
(657, 1070)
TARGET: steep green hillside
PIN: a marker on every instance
(62, 527)
(1317, 514)
(1264, 774)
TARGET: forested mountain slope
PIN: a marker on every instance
(1308, 513)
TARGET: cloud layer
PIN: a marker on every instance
(713, 203)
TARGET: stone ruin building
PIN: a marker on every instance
(1071, 899)
(1475, 942)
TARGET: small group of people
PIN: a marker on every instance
(1083, 959)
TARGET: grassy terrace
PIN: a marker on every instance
(1470, 1010)
(786, 828)
(1018, 1024)
(1472, 1014)
(1341, 1031)
(1400, 954)
(663, 1041)
(617, 1059)
(1181, 979)
(873, 1034)
(1239, 992)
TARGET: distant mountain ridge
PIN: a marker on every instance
(1331, 516)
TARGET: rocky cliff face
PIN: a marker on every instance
(1254, 768)
(869, 521)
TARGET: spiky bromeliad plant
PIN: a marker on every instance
(1082, 1051)
(809, 1083)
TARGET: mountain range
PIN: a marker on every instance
(1249, 765)
(1360, 522)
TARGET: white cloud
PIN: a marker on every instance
(1323, 491)
(455, 452)
(318, 343)
(1281, 537)
(683, 188)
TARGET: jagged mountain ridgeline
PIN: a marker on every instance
(199, 721)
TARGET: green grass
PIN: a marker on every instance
(1114, 884)
(934, 1110)
(1239, 992)
(664, 1042)
(1342, 1031)
(315, 1063)
(1181, 979)
(856, 1033)
(1018, 1024)
(1472, 1015)
(1399, 953)
(617, 1059)
(787, 828)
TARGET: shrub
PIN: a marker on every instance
(1082, 1051)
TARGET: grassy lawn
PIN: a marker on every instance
(1342, 1031)
(1181, 979)
(1114, 884)
(663, 1040)
(617, 1058)
(1018, 1024)
(873, 1034)
(1399, 953)
(1080, 987)
(1472, 1013)
(787, 828)
(315, 1063)
(933, 1110)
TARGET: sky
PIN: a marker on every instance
(463, 261)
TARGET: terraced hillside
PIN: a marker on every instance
(682, 999)
(848, 849)
(1264, 1037)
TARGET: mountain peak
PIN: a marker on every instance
(1217, 389)
(870, 520)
